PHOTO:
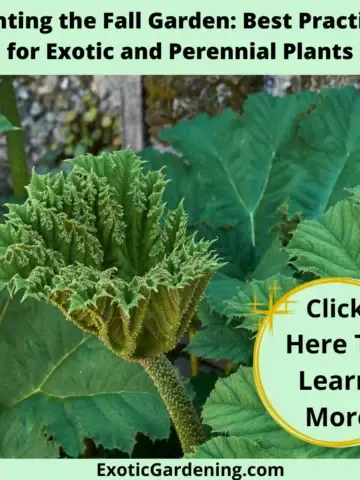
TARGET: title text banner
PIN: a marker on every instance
(186, 37)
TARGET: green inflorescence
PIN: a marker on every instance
(99, 245)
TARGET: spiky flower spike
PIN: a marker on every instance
(99, 246)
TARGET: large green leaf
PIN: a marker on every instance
(236, 447)
(20, 437)
(234, 409)
(220, 341)
(324, 247)
(331, 150)
(235, 172)
(329, 245)
(242, 168)
(54, 375)
(220, 289)
(228, 298)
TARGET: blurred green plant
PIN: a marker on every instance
(5, 126)
(10, 125)
(85, 131)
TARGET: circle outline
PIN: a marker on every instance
(257, 377)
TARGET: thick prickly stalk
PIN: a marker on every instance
(173, 393)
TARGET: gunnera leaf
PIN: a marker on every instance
(324, 247)
(328, 246)
(235, 172)
(237, 447)
(242, 168)
(99, 246)
(245, 430)
(59, 382)
(229, 335)
(300, 152)
(219, 341)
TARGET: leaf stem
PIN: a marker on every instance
(181, 410)
(15, 139)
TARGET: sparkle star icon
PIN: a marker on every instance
(273, 308)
